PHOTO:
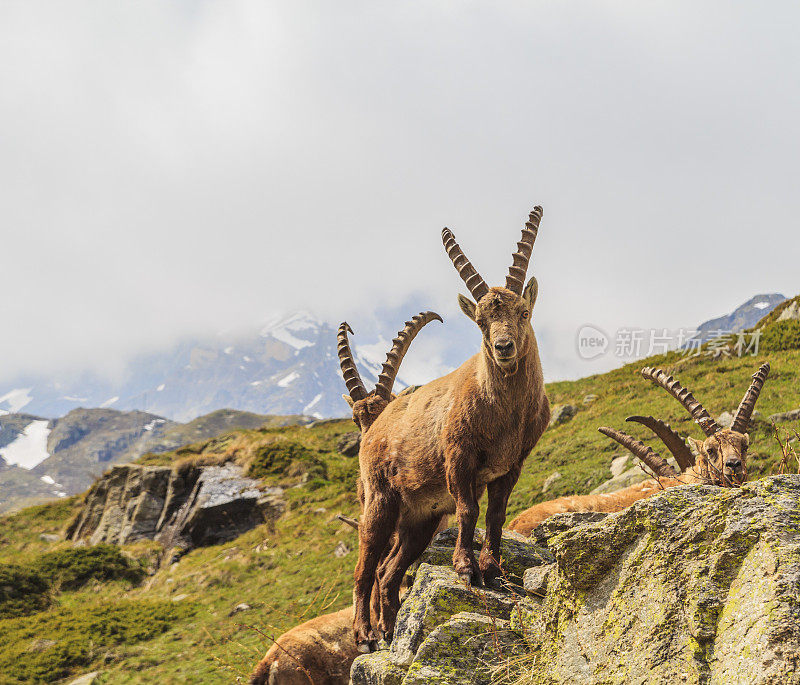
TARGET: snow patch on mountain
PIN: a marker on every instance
(286, 381)
(15, 400)
(288, 328)
(29, 448)
(312, 404)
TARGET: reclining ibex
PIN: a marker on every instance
(321, 651)
(434, 452)
(721, 457)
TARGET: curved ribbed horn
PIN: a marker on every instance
(654, 461)
(352, 379)
(477, 286)
(742, 419)
(674, 442)
(674, 388)
(515, 281)
(399, 348)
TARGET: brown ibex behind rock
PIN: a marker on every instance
(321, 650)
(721, 457)
(436, 451)
(367, 406)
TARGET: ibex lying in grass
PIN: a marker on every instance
(321, 651)
(721, 457)
(434, 452)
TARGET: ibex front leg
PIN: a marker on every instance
(462, 488)
(499, 491)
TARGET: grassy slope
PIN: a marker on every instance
(290, 570)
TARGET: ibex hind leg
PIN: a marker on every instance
(413, 539)
(375, 600)
(377, 524)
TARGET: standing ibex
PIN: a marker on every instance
(434, 452)
(321, 651)
(721, 457)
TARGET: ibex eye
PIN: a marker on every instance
(525, 315)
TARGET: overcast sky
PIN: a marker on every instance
(171, 169)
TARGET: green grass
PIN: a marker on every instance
(286, 570)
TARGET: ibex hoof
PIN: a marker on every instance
(367, 647)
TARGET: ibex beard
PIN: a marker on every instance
(436, 451)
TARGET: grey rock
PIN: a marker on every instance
(437, 595)
(562, 413)
(517, 552)
(785, 417)
(619, 465)
(49, 537)
(183, 509)
(376, 669)
(239, 608)
(697, 584)
(550, 480)
(341, 550)
(349, 444)
(791, 312)
(725, 419)
(559, 523)
(588, 399)
(463, 651)
(86, 679)
(535, 580)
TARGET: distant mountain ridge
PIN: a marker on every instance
(740, 319)
(41, 459)
(287, 366)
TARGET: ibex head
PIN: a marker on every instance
(367, 406)
(502, 313)
(721, 457)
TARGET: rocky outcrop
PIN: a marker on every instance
(562, 413)
(697, 584)
(195, 506)
(447, 631)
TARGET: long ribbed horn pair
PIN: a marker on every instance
(674, 442)
(699, 413)
(515, 281)
(388, 374)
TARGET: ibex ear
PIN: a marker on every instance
(467, 306)
(348, 399)
(531, 292)
(697, 445)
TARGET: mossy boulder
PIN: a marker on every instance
(376, 669)
(437, 595)
(697, 584)
(465, 650)
(517, 553)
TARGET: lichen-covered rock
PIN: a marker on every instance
(517, 553)
(562, 413)
(437, 594)
(697, 584)
(463, 651)
(376, 669)
(558, 523)
(535, 579)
